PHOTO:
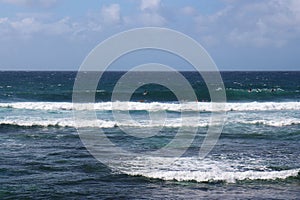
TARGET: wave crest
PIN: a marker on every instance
(155, 106)
(207, 170)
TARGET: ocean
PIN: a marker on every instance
(256, 157)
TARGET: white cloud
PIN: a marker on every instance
(257, 23)
(188, 10)
(266, 23)
(150, 4)
(27, 27)
(150, 14)
(111, 13)
(30, 25)
(31, 3)
(3, 20)
(60, 27)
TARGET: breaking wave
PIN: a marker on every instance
(193, 169)
(168, 123)
(155, 106)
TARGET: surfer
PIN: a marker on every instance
(145, 92)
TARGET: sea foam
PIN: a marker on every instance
(207, 170)
(155, 106)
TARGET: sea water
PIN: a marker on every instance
(257, 155)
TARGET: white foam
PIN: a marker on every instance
(272, 122)
(155, 106)
(38, 105)
(70, 122)
(193, 169)
(57, 122)
(210, 176)
(108, 121)
(263, 106)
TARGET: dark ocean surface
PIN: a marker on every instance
(257, 155)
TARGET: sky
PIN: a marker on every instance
(238, 34)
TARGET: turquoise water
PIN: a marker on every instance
(257, 155)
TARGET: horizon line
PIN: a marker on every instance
(65, 70)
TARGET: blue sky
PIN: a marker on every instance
(239, 35)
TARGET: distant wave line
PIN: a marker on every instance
(154, 106)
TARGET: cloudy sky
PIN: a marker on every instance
(238, 34)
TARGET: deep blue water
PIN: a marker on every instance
(58, 86)
(257, 155)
